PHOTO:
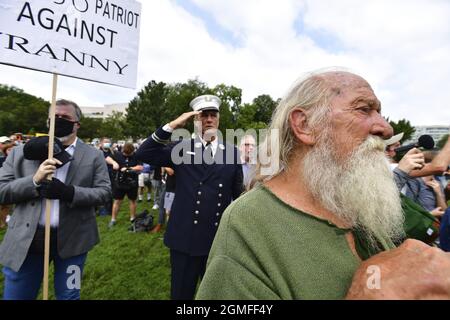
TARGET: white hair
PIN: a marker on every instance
(312, 93)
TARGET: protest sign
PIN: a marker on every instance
(95, 40)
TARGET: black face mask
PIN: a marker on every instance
(63, 127)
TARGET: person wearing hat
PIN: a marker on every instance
(80, 182)
(413, 165)
(6, 146)
(4, 141)
(205, 185)
(413, 159)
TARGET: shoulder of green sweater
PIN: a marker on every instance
(249, 203)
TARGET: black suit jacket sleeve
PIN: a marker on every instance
(238, 181)
(155, 150)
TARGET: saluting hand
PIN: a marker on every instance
(181, 120)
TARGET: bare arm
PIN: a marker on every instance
(137, 168)
(169, 171)
(439, 164)
(111, 162)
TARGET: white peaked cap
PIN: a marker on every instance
(205, 102)
(394, 139)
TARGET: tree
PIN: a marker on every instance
(403, 126)
(90, 128)
(145, 113)
(179, 97)
(264, 108)
(114, 126)
(442, 141)
(231, 96)
(21, 112)
(159, 103)
(246, 118)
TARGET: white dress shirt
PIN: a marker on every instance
(60, 174)
(214, 145)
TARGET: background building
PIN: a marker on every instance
(437, 132)
(105, 111)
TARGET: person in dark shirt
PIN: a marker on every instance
(125, 180)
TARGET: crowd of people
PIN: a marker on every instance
(340, 200)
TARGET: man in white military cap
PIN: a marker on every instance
(203, 189)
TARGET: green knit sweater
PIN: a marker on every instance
(266, 249)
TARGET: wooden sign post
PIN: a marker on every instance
(48, 207)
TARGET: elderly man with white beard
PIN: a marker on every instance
(327, 223)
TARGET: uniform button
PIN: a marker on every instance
(195, 221)
(220, 185)
(197, 212)
(199, 193)
(201, 183)
(198, 202)
(217, 214)
(218, 204)
(216, 224)
(220, 195)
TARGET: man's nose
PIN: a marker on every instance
(381, 128)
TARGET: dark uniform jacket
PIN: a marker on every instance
(202, 193)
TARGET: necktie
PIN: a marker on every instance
(208, 149)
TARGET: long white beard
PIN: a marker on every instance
(361, 191)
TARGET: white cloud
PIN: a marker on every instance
(401, 47)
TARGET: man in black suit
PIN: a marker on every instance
(208, 178)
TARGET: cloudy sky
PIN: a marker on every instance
(262, 46)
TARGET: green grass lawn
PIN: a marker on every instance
(124, 265)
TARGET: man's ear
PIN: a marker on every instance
(298, 121)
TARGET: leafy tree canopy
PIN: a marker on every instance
(404, 126)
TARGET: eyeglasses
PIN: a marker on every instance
(61, 117)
